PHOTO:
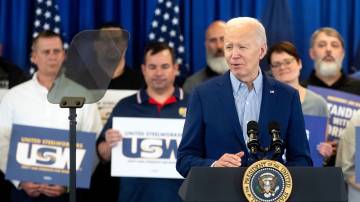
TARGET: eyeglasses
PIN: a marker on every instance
(285, 62)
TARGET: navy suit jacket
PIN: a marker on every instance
(212, 125)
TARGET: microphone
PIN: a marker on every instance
(252, 132)
(276, 141)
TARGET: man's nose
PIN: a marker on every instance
(159, 71)
(328, 49)
(236, 52)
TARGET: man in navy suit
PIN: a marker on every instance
(219, 110)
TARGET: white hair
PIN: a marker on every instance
(259, 28)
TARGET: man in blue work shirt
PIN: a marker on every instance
(161, 99)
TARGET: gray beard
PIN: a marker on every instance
(217, 64)
(328, 69)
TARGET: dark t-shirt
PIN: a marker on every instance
(130, 79)
(10, 74)
(345, 83)
(5, 188)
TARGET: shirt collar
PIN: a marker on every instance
(37, 83)
(237, 84)
(258, 82)
(143, 97)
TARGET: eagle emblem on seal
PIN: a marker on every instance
(268, 184)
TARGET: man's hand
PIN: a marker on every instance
(327, 149)
(112, 137)
(31, 189)
(229, 160)
(52, 190)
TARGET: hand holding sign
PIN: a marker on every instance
(52, 190)
(32, 189)
(112, 137)
(326, 149)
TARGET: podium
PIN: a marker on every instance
(207, 184)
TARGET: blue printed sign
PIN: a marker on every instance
(341, 107)
(42, 155)
(315, 130)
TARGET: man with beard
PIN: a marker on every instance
(327, 51)
(216, 64)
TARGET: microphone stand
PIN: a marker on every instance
(264, 150)
(72, 103)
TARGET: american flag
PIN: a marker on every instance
(46, 17)
(165, 27)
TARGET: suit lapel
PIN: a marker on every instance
(268, 107)
(225, 94)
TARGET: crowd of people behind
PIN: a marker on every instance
(231, 85)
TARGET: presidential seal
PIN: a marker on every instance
(267, 181)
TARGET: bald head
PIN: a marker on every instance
(214, 39)
(215, 27)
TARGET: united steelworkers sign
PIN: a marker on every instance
(148, 148)
(42, 155)
(267, 181)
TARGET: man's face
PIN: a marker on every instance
(48, 55)
(215, 40)
(110, 46)
(327, 51)
(159, 71)
(243, 51)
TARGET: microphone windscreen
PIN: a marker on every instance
(273, 125)
(252, 125)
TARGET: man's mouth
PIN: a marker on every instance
(236, 64)
(329, 59)
(219, 54)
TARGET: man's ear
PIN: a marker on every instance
(32, 58)
(311, 53)
(143, 68)
(263, 50)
